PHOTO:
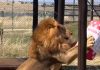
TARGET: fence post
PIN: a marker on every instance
(82, 25)
(1, 27)
(35, 14)
(92, 3)
(55, 9)
(73, 10)
(61, 4)
(12, 14)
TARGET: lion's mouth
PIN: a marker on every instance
(74, 43)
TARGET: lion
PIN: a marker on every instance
(51, 45)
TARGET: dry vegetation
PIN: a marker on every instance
(18, 22)
(4, 6)
(16, 41)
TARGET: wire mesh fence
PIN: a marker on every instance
(46, 9)
(71, 10)
(16, 19)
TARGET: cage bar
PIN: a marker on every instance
(92, 3)
(35, 13)
(55, 9)
(61, 11)
(82, 24)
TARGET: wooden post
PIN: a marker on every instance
(82, 34)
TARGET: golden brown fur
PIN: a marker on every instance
(51, 44)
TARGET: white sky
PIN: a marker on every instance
(67, 1)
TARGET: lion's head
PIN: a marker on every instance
(49, 37)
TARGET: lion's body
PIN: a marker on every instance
(50, 43)
(33, 64)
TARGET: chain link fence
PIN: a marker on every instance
(16, 19)
(71, 10)
(45, 9)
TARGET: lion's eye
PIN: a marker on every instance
(50, 26)
(71, 33)
(66, 38)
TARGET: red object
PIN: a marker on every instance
(90, 54)
(94, 27)
(95, 23)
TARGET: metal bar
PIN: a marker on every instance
(77, 15)
(12, 14)
(55, 9)
(61, 4)
(35, 14)
(1, 28)
(44, 7)
(92, 3)
(94, 10)
(77, 5)
(82, 24)
(77, 9)
(73, 10)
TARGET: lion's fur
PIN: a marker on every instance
(48, 39)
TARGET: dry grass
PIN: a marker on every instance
(17, 7)
(15, 44)
(16, 41)
(18, 22)
(13, 50)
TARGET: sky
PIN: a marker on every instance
(50, 1)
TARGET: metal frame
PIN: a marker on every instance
(82, 35)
